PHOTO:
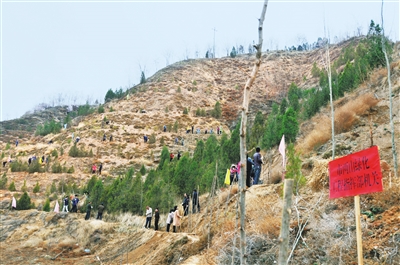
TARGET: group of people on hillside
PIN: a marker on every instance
(178, 156)
(95, 169)
(253, 169)
(41, 160)
(105, 137)
(177, 141)
(89, 207)
(206, 131)
(173, 217)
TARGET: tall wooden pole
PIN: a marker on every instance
(394, 151)
(286, 211)
(243, 150)
(358, 230)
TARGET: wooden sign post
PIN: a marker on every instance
(352, 175)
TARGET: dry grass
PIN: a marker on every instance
(345, 117)
(319, 178)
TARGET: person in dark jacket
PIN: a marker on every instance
(100, 168)
(195, 202)
(257, 165)
(185, 204)
(100, 210)
(156, 219)
(88, 210)
(249, 170)
(75, 202)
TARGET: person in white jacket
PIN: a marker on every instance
(170, 217)
(149, 214)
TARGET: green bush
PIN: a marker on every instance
(217, 111)
(74, 151)
(176, 126)
(17, 166)
(35, 167)
(36, 189)
(48, 127)
(53, 187)
(185, 111)
(8, 146)
(3, 181)
(315, 70)
(56, 168)
(24, 188)
(85, 110)
(24, 203)
(293, 169)
(71, 170)
(46, 206)
(109, 95)
(12, 187)
(142, 170)
(142, 78)
(152, 138)
(100, 109)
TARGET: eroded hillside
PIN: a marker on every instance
(322, 230)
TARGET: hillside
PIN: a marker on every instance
(326, 226)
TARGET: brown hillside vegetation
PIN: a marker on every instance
(322, 231)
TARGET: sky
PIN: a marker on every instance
(70, 52)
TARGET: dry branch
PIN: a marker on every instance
(245, 107)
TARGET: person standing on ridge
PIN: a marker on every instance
(177, 219)
(88, 210)
(65, 207)
(257, 165)
(100, 168)
(170, 218)
(195, 202)
(249, 170)
(75, 202)
(100, 210)
(185, 204)
(149, 214)
(156, 219)
(94, 168)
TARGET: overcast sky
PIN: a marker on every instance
(77, 50)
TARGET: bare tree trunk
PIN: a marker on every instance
(243, 162)
(327, 65)
(390, 98)
(328, 68)
(286, 211)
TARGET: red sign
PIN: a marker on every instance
(358, 173)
